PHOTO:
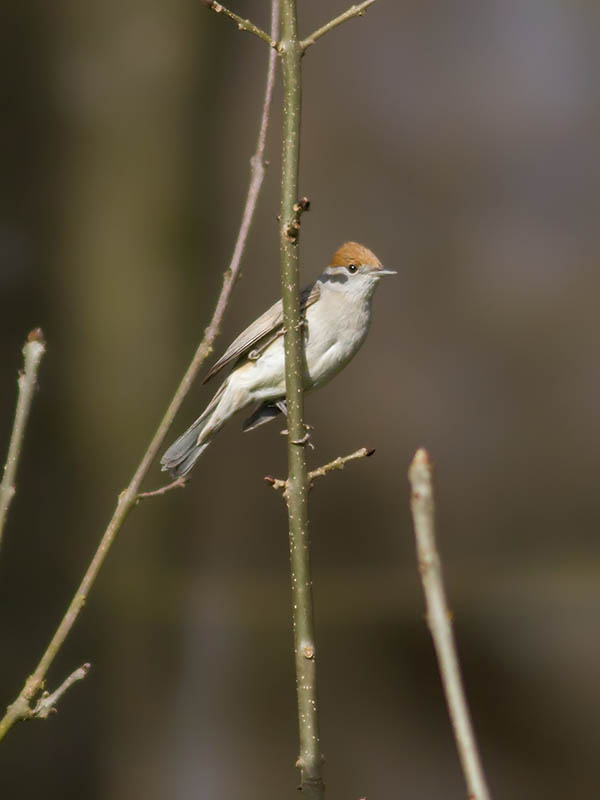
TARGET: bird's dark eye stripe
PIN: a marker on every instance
(352, 267)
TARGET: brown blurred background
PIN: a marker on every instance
(459, 140)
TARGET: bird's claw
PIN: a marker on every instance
(305, 440)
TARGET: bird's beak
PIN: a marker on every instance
(381, 272)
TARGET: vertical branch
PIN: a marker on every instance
(309, 760)
(33, 352)
(440, 624)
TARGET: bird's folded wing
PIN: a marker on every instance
(268, 324)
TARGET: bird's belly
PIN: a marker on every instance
(264, 378)
(325, 359)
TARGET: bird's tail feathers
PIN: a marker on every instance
(181, 467)
(187, 449)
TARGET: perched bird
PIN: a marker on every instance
(336, 310)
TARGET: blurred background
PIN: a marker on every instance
(459, 141)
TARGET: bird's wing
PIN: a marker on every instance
(267, 327)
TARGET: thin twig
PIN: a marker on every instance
(33, 352)
(337, 463)
(179, 483)
(127, 499)
(439, 620)
(46, 705)
(276, 483)
(243, 24)
(353, 11)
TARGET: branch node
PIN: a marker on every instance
(46, 705)
(302, 205)
(293, 227)
(309, 652)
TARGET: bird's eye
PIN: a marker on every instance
(352, 267)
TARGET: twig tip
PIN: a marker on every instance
(36, 335)
(421, 458)
(420, 473)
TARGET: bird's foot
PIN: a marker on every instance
(305, 440)
(280, 404)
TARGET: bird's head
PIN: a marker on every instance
(355, 268)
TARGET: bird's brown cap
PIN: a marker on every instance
(354, 253)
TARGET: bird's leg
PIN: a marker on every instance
(305, 440)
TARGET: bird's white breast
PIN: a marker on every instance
(335, 328)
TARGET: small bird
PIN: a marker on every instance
(336, 312)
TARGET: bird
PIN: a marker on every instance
(336, 315)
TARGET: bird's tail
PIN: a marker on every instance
(183, 454)
(185, 451)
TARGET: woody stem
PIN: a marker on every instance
(310, 758)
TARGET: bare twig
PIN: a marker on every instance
(353, 11)
(276, 483)
(243, 24)
(46, 705)
(439, 620)
(33, 352)
(128, 498)
(337, 463)
(179, 483)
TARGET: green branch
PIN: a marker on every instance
(353, 11)
(33, 352)
(310, 758)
